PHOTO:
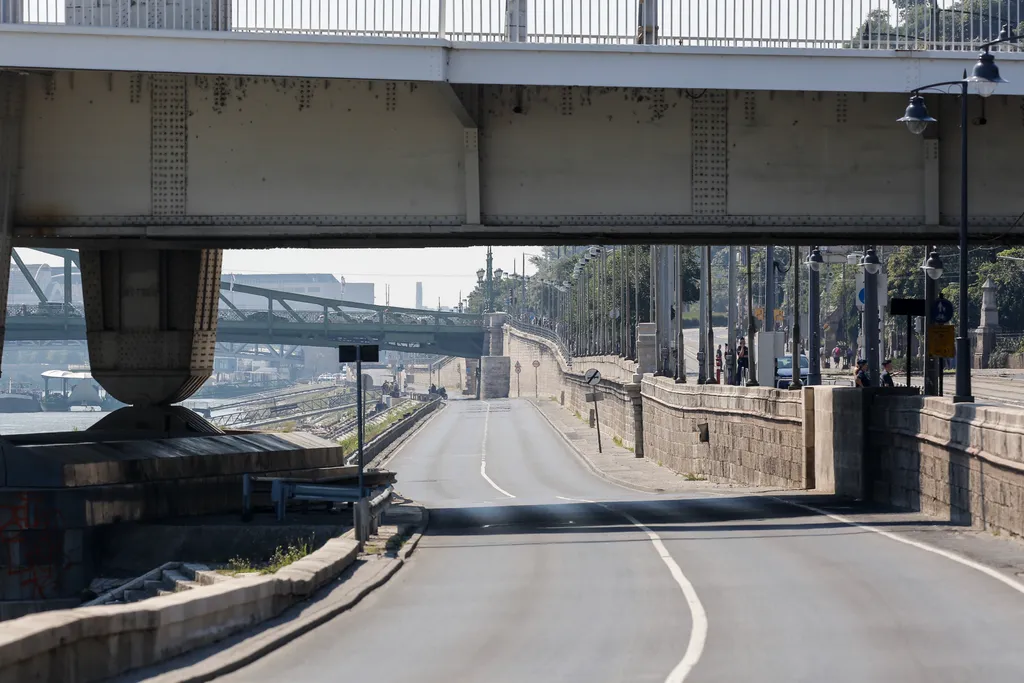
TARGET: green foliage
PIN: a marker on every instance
(282, 557)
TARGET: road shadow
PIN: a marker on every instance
(713, 516)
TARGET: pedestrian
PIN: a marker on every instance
(849, 357)
(742, 363)
(835, 357)
(887, 380)
(862, 379)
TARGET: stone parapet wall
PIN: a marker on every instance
(613, 368)
(755, 435)
(960, 460)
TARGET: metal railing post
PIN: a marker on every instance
(442, 20)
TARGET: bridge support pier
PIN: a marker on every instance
(11, 100)
(151, 324)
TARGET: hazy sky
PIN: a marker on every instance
(443, 272)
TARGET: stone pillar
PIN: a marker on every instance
(984, 337)
(151, 321)
(495, 376)
(495, 333)
(646, 348)
(633, 392)
(11, 100)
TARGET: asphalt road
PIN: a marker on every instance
(536, 588)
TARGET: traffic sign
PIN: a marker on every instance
(519, 368)
(592, 377)
(593, 397)
(536, 363)
(759, 313)
(942, 311)
(780, 315)
(940, 341)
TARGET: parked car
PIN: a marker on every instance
(784, 371)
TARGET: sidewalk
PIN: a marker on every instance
(617, 464)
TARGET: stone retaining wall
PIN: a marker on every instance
(554, 379)
(754, 435)
(451, 374)
(961, 460)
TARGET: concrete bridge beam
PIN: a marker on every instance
(151, 321)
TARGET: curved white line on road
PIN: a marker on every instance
(959, 559)
(483, 454)
(698, 617)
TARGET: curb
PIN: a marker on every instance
(303, 625)
(594, 469)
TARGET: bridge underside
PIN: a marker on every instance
(119, 159)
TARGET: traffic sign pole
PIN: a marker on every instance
(536, 379)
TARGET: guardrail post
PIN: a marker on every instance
(442, 20)
(361, 514)
(246, 497)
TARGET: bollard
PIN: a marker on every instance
(592, 419)
(361, 515)
(561, 398)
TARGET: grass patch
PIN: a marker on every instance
(617, 440)
(578, 416)
(351, 443)
(282, 557)
(690, 476)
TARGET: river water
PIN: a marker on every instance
(35, 423)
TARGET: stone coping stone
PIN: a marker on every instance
(103, 463)
(93, 643)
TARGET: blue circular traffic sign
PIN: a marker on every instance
(942, 311)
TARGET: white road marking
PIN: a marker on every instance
(483, 454)
(959, 559)
(698, 617)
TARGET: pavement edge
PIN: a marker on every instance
(303, 625)
(587, 462)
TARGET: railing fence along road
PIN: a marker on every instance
(809, 24)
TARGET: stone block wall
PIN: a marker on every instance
(494, 376)
(755, 435)
(961, 460)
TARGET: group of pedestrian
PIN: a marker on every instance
(842, 357)
(863, 379)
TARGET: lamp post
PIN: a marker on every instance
(751, 330)
(795, 383)
(814, 262)
(871, 265)
(932, 268)
(985, 77)
(490, 282)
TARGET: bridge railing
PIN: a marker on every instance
(544, 332)
(45, 310)
(814, 24)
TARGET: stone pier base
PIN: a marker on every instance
(494, 371)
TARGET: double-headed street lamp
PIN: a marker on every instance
(985, 77)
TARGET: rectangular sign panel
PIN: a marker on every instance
(370, 353)
(941, 342)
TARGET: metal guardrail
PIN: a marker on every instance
(284, 410)
(807, 24)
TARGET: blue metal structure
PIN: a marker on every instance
(281, 322)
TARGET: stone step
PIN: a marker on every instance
(135, 595)
(151, 586)
(174, 580)
(201, 574)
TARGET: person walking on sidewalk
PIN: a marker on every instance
(887, 380)
(862, 378)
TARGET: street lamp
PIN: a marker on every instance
(985, 77)
(932, 266)
(814, 263)
(871, 265)
(480, 276)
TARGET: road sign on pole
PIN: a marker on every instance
(595, 397)
(519, 368)
(942, 311)
(941, 343)
(371, 354)
(592, 377)
(536, 379)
